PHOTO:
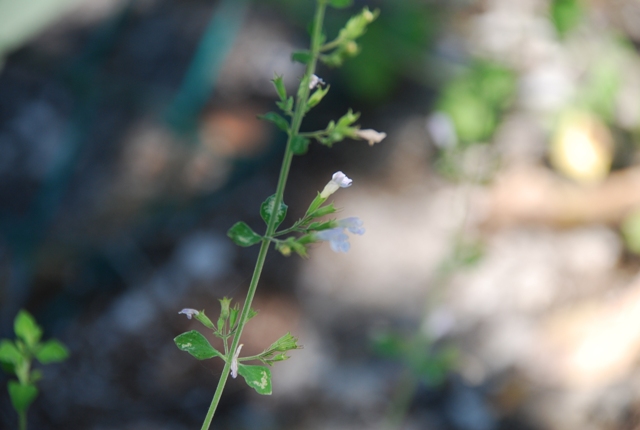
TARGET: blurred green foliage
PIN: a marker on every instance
(476, 99)
(565, 15)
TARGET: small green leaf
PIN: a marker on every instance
(280, 89)
(9, 353)
(21, 395)
(257, 377)
(197, 345)
(52, 351)
(301, 56)
(317, 96)
(286, 106)
(242, 234)
(35, 376)
(267, 210)
(299, 145)
(233, 315)
(340, 4)
(204, 320)
(27, 329)
(279, 121)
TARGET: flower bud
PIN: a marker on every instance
(371, 136)
(339, 180)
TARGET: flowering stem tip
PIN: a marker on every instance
(339, 180)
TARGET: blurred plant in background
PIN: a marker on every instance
(17, 356)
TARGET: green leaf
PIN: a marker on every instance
(317, 96)
(234, 312)
(9, 352)
(52, 351)
(279, 121)
(21, 395)
(286, 105)
(242, 234)
(27, 329)
(267, 210)
(280, 89)
(257, 377)
(299, 144)
(340, 4)
(35, 376)
(197, 345)
(303, 57)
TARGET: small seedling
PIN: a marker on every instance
(16, 358)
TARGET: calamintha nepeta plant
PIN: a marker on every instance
(16, 357)
(307, 230)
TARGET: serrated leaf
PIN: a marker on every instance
(267, 210)
(196, 344)
(299, 145)
(9, 352)
(257, 377)
(242, 235)
(301, 57)
(21, 395)
(26, 328)
(278, 120)
(52, 351)
(340, 4)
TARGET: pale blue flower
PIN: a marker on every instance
(189, 312)
(336, 237)
(353, 224)
(338, 180)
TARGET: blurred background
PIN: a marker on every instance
(497, 284)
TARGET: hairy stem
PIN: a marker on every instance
(301, 108)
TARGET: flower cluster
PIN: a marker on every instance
(337, 238)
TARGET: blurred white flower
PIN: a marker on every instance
(315, 81)
(339, 180)
(234, 362)
(371, 135)
(189, 312)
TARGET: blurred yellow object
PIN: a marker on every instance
(582, 148)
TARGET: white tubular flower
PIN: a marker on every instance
(353, 224)
(234, 362)
(371, 135)
(315, 81)
(339, 180)
(189, 312)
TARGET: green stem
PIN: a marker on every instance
(22, 420)
(301, 108)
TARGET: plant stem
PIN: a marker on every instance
(22, 420)
(301, 108)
